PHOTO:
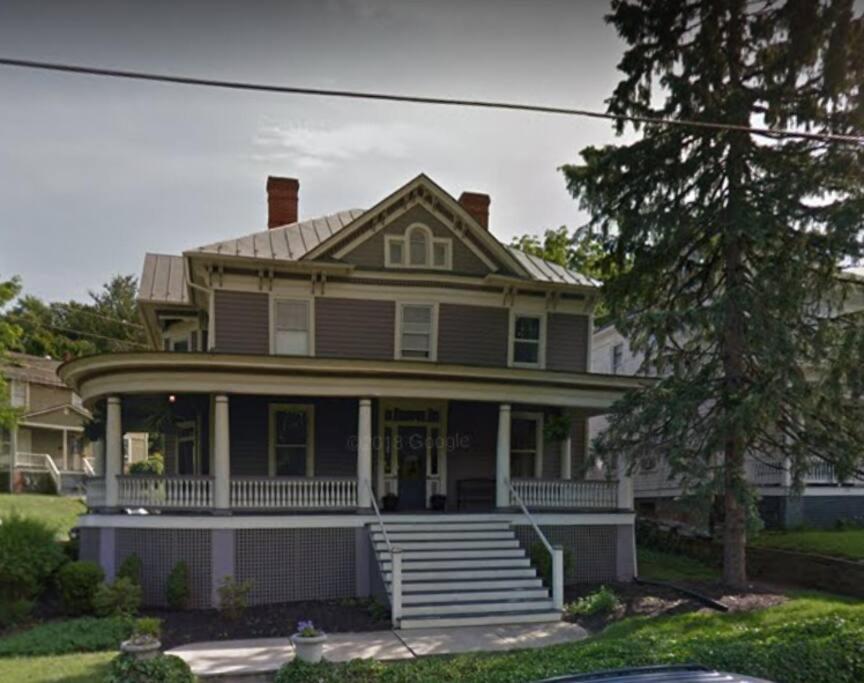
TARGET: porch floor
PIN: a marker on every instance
(243, 658)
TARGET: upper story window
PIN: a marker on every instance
(418, 248)
(527, 340)
(19, 394)
(417, 331)
(291, 327)
(617, 358)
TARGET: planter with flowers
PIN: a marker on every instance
(309, 642)
(144, 643)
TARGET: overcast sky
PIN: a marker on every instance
(95, 172)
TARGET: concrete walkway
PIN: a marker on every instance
(249, 660)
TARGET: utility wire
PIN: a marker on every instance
(74, 311)
(93, 334)
(416, 99)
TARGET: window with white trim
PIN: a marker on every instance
(527, 331)
(19, 394)
(418, 248)
(415, 331)
(526, 444)
(291, 327)
(291, 440)
(617, 358)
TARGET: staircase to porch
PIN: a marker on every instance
(462, 573)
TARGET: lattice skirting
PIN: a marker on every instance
(286, 565)
(594, 550)
(160, 550)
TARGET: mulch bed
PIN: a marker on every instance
(268, 621)
(655, 601)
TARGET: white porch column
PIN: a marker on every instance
(113, 451)
(502, 468)
(786, 474)
(221, 455)
(567, 458)
(66, 450)
(364, 454)
(625, 486)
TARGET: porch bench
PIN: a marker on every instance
(475, 492)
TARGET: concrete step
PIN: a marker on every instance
(479, 608)
(457, 585)
(429, 565)
(457, 535)
(473, 596)
(439, 525)
(449, 545)
(467, 574)
(454, 554)
(480, 620)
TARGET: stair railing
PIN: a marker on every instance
(88, 467)
(54, 471)
(556, 552)
(395, 565)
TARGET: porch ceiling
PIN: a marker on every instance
(152, 372)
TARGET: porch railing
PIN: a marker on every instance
(567, 494)
(165, 492)
(319, 493)
(39, 462)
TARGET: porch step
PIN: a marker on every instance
(454, 621)
(462, 573)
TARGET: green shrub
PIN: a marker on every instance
(14, 612)
(233, 597)
(542, 561)
(154, 465)
(355, 671)
(161, 669)
(78, 583)
(177, 592)
(602, 601)
(29, 555)
(130, 569)
(84, 634)
(148, 627)
(119, 599)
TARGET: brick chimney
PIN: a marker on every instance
(478, 206)
(281, 201)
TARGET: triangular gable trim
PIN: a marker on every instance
(53, 409)
(412, 194)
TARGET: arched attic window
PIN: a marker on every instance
(417, 247)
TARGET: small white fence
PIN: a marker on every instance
(567, 494)
(165, 492)
(289, 493)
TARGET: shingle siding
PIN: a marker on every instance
(354, 328)
(242, 321)
(472, 335)
(567, 342)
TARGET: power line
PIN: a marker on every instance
(73, 310)
(93, 334)
(417, 99)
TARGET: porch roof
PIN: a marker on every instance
(95, 377)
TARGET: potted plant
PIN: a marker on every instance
(437, 501)
(309, 642)
(390, 501)
(144, 643)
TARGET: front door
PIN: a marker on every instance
(411, 449)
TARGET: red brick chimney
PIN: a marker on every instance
(281, 201)
(477, 205)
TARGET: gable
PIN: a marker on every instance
(61, 416)
(370, 253)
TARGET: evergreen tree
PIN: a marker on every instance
(733, 240)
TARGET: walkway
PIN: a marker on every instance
(247, 658)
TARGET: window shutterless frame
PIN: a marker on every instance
(309, 302)
(539, 342)
(308, 411)
(407, 334)
(537, 448)
(418, 247)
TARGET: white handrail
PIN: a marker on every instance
(52, 468)
(88, 467)
(556, 552)
(395, 564)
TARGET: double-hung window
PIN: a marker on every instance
(526, 444)
(291, 441)
(19, 394)
(416, 331)
(291, 327)
(527, 339)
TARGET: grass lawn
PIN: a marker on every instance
(846, 543)
(78, 668)
(58, 511)
(660, 566)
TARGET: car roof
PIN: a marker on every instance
(687, 673)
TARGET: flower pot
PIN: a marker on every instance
(309, 649)
(141, 649)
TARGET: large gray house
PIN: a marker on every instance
(386, 401)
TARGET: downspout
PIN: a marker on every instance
(211, 322)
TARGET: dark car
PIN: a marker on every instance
(657, 674)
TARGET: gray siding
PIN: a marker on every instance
(370, 254)
(567, 342)
(472, 335)
(353, 328)
(472, 429)
(242, 322)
